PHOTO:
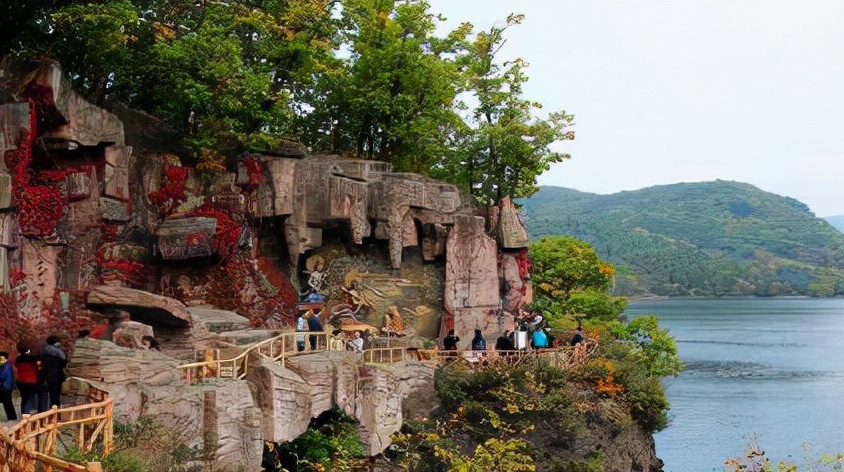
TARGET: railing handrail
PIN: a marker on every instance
(16, 441)
(216, 364)
(368, 354)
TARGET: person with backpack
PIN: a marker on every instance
(7, 384)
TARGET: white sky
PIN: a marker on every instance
(667, 91)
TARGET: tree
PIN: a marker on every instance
(563, 264)
(226, 75)
(393, 98)
(504, 146)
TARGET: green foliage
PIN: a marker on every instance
(144, 445)
(391, 99)
(331, 442)
(562, 264)
(503, 146)
(366, 78)
(594, 304)
(653, 346)
(711, 238)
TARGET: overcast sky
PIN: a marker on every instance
(686, 91)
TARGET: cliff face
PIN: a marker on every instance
(88, 199)
(103, 227)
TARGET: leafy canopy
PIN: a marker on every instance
(367, 78)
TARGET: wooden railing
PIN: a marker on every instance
(33, 440)
(563, 357)
(385, 355)
(277, 348)
(284, 345)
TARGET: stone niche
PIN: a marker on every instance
(186, 238)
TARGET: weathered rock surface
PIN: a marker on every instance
(163, 309)
(219, 417)
(311, 384)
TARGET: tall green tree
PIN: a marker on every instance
(505, 145)
(393, 99)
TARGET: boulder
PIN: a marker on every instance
(156, 308)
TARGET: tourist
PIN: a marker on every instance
(26, 374)
(578, 336)
(7, 384)
(504, 342)
(478, 342)
(301, 327)
(314, 326)
(450, 341)
(356, 344)
(150, 343)
(539, 339)
(54, 361)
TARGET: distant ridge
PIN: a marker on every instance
(707, 238)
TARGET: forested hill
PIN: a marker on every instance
(710, 238)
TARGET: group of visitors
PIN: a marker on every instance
(541, 338)
(309, 321)
(38, 378)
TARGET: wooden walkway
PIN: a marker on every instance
(30, 445)
(283, 346)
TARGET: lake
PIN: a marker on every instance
(773, 367)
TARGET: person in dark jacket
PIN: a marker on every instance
(504, 342)
(7, 384)
(54, 361)
(578, 337)
(314, 325)
(26, 373)
(450, 341)
(478, 342)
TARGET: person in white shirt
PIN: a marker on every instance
(301, 327)
(356, 344)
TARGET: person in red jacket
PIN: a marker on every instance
(26, 374)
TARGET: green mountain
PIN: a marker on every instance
(709, 238)
(837, 221)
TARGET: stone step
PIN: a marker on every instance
(218, 321)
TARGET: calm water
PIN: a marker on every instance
(773, 367)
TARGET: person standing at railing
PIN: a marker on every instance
(314, 326)
(578, 336)
(26, 373)
(478, 342)
(356, 344)
(7, 384)
(54, 361)
(504, 342)
(301, 327)
(539, 339)
(450, 341)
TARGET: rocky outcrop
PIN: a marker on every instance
(310, 384)
(218, 418)
(231, 419)
(471, 282)
(94, 212)
(161, 309)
